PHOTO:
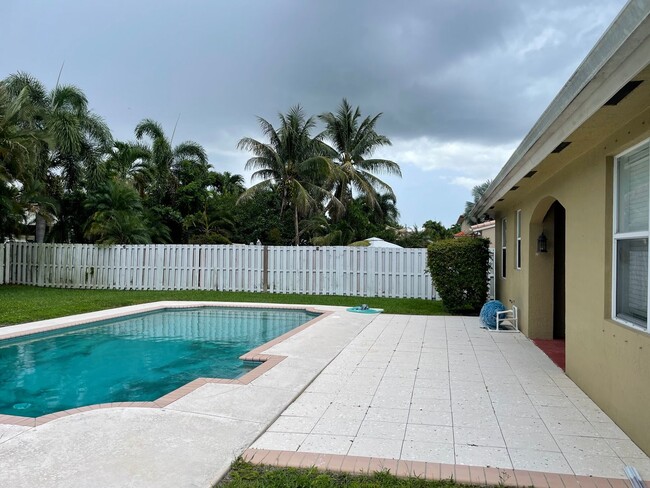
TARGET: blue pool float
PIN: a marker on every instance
(489, 313)
(365, 309)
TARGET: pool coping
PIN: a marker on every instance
(267, 361)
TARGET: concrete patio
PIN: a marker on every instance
(353, 390)
(443, 390)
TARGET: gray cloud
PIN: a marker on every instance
(452, 78)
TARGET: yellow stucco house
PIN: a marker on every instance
(572, 223)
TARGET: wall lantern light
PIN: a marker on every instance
(542, 243)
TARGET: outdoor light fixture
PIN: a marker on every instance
(542, 243)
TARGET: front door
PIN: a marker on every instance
(559, 257)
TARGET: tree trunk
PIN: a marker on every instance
(284, 201)
(39, 232)
(295, 225)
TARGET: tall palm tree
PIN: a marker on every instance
(292, 162)
(18, 144)
(353, 141)
(72, 137)
(169, 166)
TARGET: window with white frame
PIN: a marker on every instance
(630, 253)
(503, 247)
(518, 239)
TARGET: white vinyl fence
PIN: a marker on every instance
(352, 271)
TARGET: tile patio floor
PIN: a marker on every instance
(443, 390)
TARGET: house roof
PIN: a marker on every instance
(621, 55)
(377, 242)
(484, 225)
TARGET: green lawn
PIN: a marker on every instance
(245, 475)
(20, 304)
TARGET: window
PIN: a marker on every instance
(518, 239)
(630, 253)
(504, 235)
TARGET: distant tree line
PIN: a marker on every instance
(64, 178)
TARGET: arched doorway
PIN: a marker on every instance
(547, 288)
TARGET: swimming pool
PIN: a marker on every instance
(134, 358)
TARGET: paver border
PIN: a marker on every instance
(267, 361)
(475, 475)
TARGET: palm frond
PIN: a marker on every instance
(19, 81)
(191, 150)
(381, 166)
(96, 129)
(250, 192)
(149, 128)
(69, 98)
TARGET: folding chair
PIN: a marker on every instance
(507, 319)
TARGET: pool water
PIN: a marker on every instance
(134, 358)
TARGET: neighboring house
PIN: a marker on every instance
(578, 187)
(485, 230)
(464, 224)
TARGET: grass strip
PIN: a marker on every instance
(20, 304)
(246, 475)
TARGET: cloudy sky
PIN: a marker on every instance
(459, 82)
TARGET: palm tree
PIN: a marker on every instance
(385, 211)
(117, 215)
(37, 200)
(477, 193)
(18, 143)
(128, 161)
(352, 143)
(11, 214)
(209, 226)
(164, 159)
(72, 138)
(292, 162)
(229, 184)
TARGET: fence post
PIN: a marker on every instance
(7, 262)
(265, 269)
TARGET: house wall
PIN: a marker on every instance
(607, 360)
(488, 234)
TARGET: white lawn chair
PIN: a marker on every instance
(508, 319)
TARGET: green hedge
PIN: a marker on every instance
(459, 270)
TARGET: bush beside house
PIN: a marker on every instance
(459, 270)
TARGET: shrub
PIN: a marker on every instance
(459, 270)
(209, 238)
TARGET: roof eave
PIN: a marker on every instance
(612, 62)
